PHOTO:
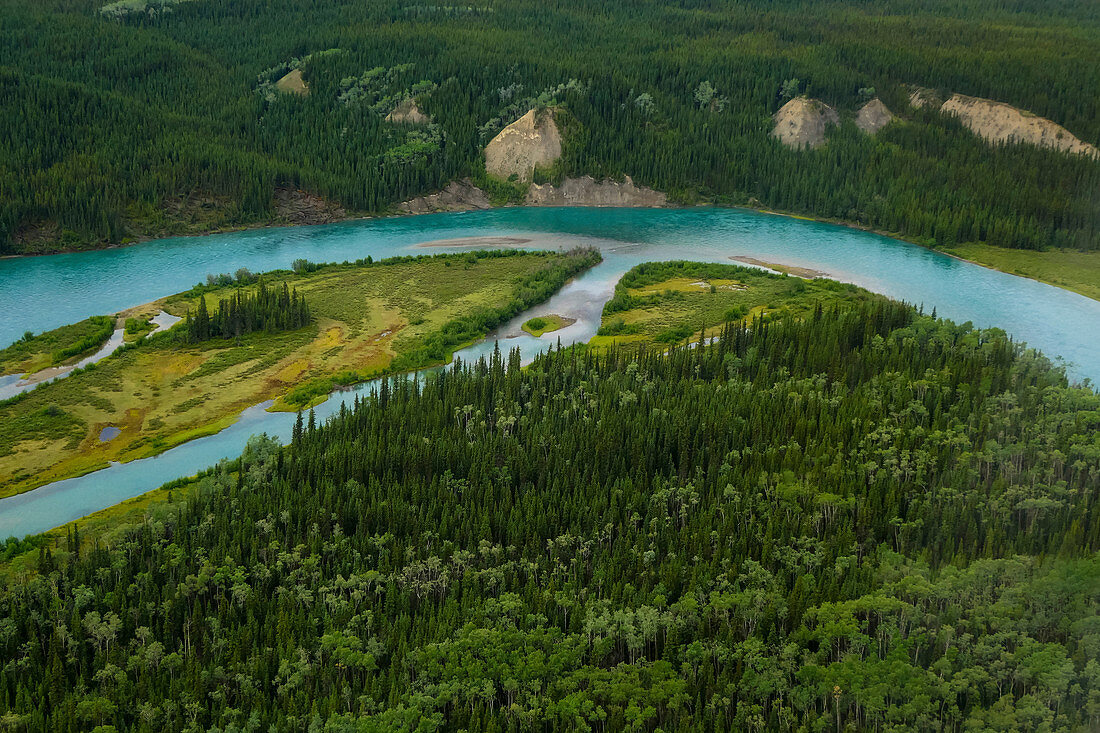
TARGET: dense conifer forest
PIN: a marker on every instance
(861, 519)
(144, 117)
(265, 310)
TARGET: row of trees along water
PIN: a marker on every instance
(165, 117)
(268, 310)
(858, 520)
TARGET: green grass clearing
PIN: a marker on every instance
(539, 325)
(666, 303)
(1072, 270)
(33, 352)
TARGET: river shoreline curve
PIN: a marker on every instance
(402, 213)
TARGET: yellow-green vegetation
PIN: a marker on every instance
(1069, 269)
(137, 328)
(368, 318)
(33, 353)
(539, 325)
(670, 302)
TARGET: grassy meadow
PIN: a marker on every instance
(367, 318)
(33, 353)
(671, 302)
(539, 325)
(1069, 269)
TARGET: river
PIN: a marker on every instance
(45, 292)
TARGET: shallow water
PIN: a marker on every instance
(1061, 323)
(109, 433)
(14, 384)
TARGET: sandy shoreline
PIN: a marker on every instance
(495, 242)
(805, 273)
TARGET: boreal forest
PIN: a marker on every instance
(140, 118)
(863, 518)
(715, 475)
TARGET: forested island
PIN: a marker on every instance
(948, 125)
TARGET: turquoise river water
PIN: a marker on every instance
(45, 292)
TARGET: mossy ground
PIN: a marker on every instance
(1072, 270)
(39, 352)
(669, 310)
(163, 393)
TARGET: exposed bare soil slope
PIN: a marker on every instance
(998, 122)
(457, 196)
(873, 116)
(293, 83)
(532, 140)
(801, 122)
(295, 206)
(407, 113)
(587, 191)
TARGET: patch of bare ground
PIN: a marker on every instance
(803, 272)
(801, 122)
(293, 83)
(587, 191)
(998, 122)
(295, 206)
(407, 113)
(532, 140)
(457, 196)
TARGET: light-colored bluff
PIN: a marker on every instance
(584, 191)
(801, 122)
(532, 140)
(587, 191)
(998, 122)
(873, 116)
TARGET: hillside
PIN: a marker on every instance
(802, 122)
(141, 120)
(998, 122)
(858, 518)
(531, 141)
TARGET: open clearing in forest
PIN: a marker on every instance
(165, 392)
(29, 355)
(293, 83)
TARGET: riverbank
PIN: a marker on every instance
(1068, 269)
(1072, 270)
(664, 305)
